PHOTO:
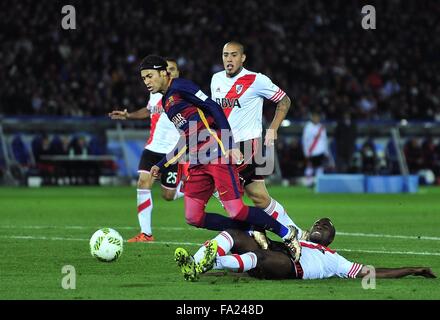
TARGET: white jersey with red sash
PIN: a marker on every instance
(314, 139)
(241, 99)
(319, 262)
(163, 134)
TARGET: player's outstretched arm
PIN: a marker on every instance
(142, 113)
(281, 112)
(397, 272)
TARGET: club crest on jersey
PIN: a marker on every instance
(238, 88)
(218, 89)
(170, 101)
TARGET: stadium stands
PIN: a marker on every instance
(316, 51)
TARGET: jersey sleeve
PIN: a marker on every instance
(177, 153)
(212, 86)
(267, 89)
(347, 269)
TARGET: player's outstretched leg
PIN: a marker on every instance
(186, 264)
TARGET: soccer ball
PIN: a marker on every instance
(106, 245)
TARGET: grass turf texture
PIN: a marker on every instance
(41, 230)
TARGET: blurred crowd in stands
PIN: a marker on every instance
(315, 50)
(422, 158)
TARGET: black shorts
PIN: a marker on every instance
(249, 149)
(169, 175)
(317, 161)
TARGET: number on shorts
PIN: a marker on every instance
(172, 177)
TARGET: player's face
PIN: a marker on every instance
(233, 59)
(322, 232)
(154, 80)
(172, 69)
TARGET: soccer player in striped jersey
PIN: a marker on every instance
(162, 139)
(241, 94)
(206, 135)
(317, 260)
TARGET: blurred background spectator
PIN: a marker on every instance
(345, 141)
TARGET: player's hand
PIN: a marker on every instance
(118, 115)
(236, 155)
(271, 136)
(424, 272)
(155, 172)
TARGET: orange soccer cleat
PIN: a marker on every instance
(141, 237)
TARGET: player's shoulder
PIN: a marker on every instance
(219, 75)
(182, 84)
(261, 77)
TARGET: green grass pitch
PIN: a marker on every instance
(42, 230)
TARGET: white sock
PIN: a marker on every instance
(145, 207)
(225, 243)
(179, 193)
(319, 171)
(238, 263)
(277, 211)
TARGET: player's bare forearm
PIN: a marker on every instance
(142, 113)
(281, 112)
(124, 115)
(397, 272)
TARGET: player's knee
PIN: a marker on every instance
(168, 195)
(234, 233)
(195, 220)
(236, 209)
(194, 212)
(144, 182)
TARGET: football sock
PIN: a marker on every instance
(217, 222)
(277, 211)
(179, 193)
(224, 242)
(145, 207)
(260, 218)
(238, 263)
(309, 175)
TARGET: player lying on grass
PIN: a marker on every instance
(317, 260)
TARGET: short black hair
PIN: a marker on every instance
(153, 62)
(171, 59)
(236, 43)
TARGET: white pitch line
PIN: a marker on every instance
(391, 252)
(339, 233)
(199, 244)
(373, 235)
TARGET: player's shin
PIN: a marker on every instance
(145, 208)
(255, 216)
(224, 244)
(277, 211)
(238, 263)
